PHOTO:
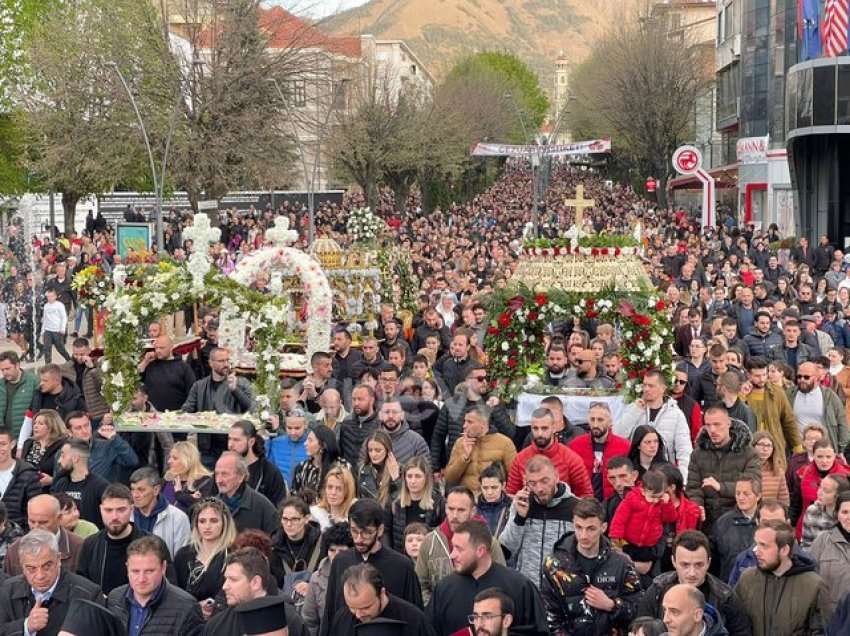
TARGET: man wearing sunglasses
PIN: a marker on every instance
(815, 404)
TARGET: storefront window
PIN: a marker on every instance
(824, 96)
(843, 114)
(804, 98)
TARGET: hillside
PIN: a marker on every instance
(441, 31)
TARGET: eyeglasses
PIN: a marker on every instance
(480, 378)
(291, 519)
(678, 381)
(804, 377)
(764, 444)
(480, 618)
(366, 533)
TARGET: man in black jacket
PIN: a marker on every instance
(249, 508)
(161, 608)
(246, 578)
(367, 527)
(587, 587)
(38, 600)
(355, 429)
(452, 368)
(453, 598)
(57, 393)
(102, 553)
(691, 560)
(167, 379)
(22, 484)
(263, 476)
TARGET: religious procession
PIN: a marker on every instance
(400, 355)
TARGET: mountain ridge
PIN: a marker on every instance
(441, 32)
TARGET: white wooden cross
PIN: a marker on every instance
(280, 235)
(579, 203)
(201, 233)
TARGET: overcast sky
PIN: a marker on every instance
(317, 8)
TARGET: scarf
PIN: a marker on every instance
(233, 502)
(447, 531)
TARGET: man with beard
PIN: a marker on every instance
(451, 369)
(815, 404)
(586, 374)
(477, 449)
(589, 588)
(541, 513)
(688, 405)
(569, 465)
(246, 578)
(556, 365)
(345, 358)
(474, 570)
(77, 481)
(406, 443)
(263, 476)
(784, 595)
(392, 338)
(435, 553)
(367, 601)
(355, 429)
(103, 554)
(366, 517)
(772, 409)
(597, 447)
(492, 613)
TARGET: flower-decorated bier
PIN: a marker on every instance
(179, 422)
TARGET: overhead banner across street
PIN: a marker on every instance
(594, 146)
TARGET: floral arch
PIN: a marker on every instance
(147, 291)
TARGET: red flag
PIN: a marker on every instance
(835, 22)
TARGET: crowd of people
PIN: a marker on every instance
(393, 491)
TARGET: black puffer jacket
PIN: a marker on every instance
(23, 487)
(726, 464)
(69, 400)
(449, 427)
(173, 612)
(719, 595)
(352, 433)
(564, 584)
(732, 534)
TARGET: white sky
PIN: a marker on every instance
(317, 8)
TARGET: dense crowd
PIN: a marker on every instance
(394, 492)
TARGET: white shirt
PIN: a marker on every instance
(808, 407)
(6, 479)
(55, 317)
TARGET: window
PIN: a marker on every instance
(843, 114)
(295, 92)
(675, 21)
(340, 94)
(823, 93)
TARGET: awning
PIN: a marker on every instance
(724, 176)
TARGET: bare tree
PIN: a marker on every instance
(641, 89)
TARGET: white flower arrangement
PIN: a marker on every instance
(363, 225)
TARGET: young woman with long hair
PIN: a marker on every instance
(48, 435)
(337, 494)
(418, 500)
(200, 564)
(378, 475)
(322, 453)
(647, 449)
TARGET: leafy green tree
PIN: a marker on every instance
(519, 84)
(82, 136)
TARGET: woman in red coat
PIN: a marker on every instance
(825, 462)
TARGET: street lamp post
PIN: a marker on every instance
(156, 181)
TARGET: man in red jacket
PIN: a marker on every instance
(597, 447)
(570, 466)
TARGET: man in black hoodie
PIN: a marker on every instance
(355, 429)
(56, 393)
